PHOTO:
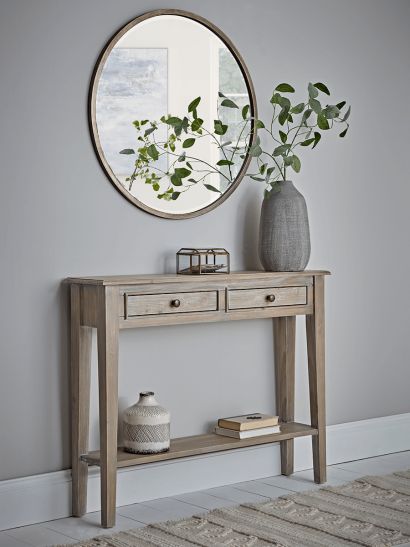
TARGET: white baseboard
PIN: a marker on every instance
(39, 498)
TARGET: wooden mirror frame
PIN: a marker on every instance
(92, 110)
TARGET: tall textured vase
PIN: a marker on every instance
(146, 426)
(284, 240)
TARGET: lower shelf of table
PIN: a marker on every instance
(203, 444)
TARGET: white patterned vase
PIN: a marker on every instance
(146, 426)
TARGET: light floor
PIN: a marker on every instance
(71, 530)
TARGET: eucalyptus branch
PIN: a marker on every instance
(294, 129)
(220, 147)
(239, 139)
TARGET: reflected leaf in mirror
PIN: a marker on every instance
(180, 146)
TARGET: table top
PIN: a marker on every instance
(143, 279)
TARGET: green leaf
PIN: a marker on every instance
(341, 105)
(255, 151)
(149, 131)
(221, 94)
(173, 120)
(226, 143)
(189, 165)
(296, 164)
(307, 142)
(315, 105)
(298, 109)
(225, 162)
(330, 112)
(185, 124)
(281, 150)
(153, 152)
(285, 103)
(196, 124)
(176, 181)
(192, 180)
(245, 111)
(283, 116)
(322, 121)
(212, 188)
(313, 92)
(343, 133)
(259, 124)
(229, 104)
(188, 143)
(255, 177)
(347, 114)
(285, 88)
(321, 87)
(276, 98)
(306, 115)
(283, 136)
(288, 160)
(181, 172)
(175, 195)
(318, 136)
(220, 128)
(192, 106)
(269, 171)
(182, 157)
(155, 186)
(127, 151)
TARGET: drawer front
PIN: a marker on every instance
(158, 304)
(267, 297)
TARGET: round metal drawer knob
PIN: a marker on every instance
(271, 298)
(175, 303)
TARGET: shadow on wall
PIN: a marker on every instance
(248, 223)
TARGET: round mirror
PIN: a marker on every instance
(172, 111)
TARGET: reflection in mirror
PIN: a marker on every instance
(172, 115)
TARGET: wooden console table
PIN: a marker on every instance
(113, 303)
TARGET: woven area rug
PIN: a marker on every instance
(368, 511)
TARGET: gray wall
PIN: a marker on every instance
(61, 217)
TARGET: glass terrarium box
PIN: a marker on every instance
(203, 261)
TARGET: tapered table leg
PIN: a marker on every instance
(284, 333)
(80, 402)
(107, 336)
(315, 333)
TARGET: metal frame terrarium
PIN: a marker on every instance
(191, 261)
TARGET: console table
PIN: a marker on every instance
(112, 303)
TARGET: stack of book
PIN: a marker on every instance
(248, 425)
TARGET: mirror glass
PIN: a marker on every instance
(169, 115)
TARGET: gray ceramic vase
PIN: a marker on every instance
(284, 240)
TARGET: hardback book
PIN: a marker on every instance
(247, 434)
(248, 421)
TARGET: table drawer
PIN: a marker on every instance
(266, 297)
(158, 304)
